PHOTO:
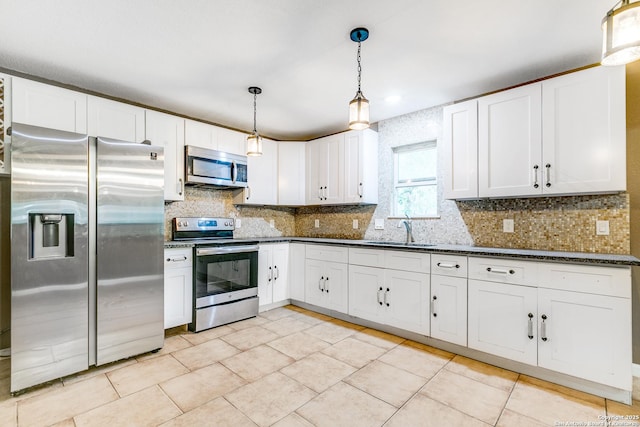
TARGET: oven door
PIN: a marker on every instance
(224, 274)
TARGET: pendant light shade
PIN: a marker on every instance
(621, 34)
(254, 141)
(359, 106)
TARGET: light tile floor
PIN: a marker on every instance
(292, 367)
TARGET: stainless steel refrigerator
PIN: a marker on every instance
(87, 227)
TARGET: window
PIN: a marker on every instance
(415, 183)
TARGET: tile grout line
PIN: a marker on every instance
(507, 401)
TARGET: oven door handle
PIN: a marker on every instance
(226, 250)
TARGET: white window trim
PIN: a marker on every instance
(425, 182)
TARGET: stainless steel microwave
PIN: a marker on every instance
(217, 168)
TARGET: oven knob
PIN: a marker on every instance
(186, 223)
(227, 223)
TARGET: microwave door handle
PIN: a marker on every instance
(234, 172)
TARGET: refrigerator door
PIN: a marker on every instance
(130, 239)
(49, 264)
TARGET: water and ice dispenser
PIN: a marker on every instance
(50, 235)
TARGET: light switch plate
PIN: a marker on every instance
(355, 224)
(238, 222)
(316, 223)
(272, 223)
(378, 224)
(507, 226)
(602, 228)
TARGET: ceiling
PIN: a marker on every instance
(198, 57)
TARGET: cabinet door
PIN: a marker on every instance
(262, 170)
(200, 134)
(280, 261)
(265, 274)
(116, 120)
(353, 164)
(291, 173)
(314, 163)
(584, 131)
(585, 335)
(336, 286)
(313, 282)
(297, 255)
(406, 298)
(502, 320)
(510, 143)
(332, 174)
(366, 293)
(231, 141)
(460, 150)
(168, 131)
(178, 288)
(48, 106)
(449, 309)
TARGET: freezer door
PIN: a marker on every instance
(130, 239)
(49, 257)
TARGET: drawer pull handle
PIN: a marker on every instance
(543, 328)
(447, 265)
(320, 284)
(530, 326)
(433, 306)
(385, 297)
(277, 272)
(326, 285)
(270, 276)
(378, 295)
(177, 259)
(499, 271)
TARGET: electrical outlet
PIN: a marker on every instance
(316, 223)
(507, 226)
(355, 224)
(379, 224)
(272, 223)
(602, 228)
(238, 222)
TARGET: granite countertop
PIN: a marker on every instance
(530, 254)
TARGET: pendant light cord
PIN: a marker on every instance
(254, 112)
(359, 66)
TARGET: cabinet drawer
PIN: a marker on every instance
(504, 271)
(328, 253)
(407, 261)
(449, 265)
(177, 257)
(366, 257)
(613, 281)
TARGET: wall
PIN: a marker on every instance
(552, 223)
(219, 203)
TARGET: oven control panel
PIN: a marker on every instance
(202, 224)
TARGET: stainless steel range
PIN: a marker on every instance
(225, 272)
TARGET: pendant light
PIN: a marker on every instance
(359, 106)
(254, 141)
(621, 34)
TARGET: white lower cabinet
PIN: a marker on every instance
(502, 320)
(390, 296)
(178, 287)
(449, 309)
(326, 277)
(297, 255)
(587, 336)
(273, 265)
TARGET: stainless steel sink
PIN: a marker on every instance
(401, 244)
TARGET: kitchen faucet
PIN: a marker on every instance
(407, 225)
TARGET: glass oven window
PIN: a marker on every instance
(217, 274)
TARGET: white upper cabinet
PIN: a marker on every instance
(460, 150)
(564, 135)
(262, 174)
(291, 173)
(48, 106)
(343, 169)
(510, 143)
(168, 131)
(115, 120)
(231, 141)
(584, 132)
(200, 134)
(361, 167)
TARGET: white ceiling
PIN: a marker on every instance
(198, 57)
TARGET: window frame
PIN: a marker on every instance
(428, 181)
